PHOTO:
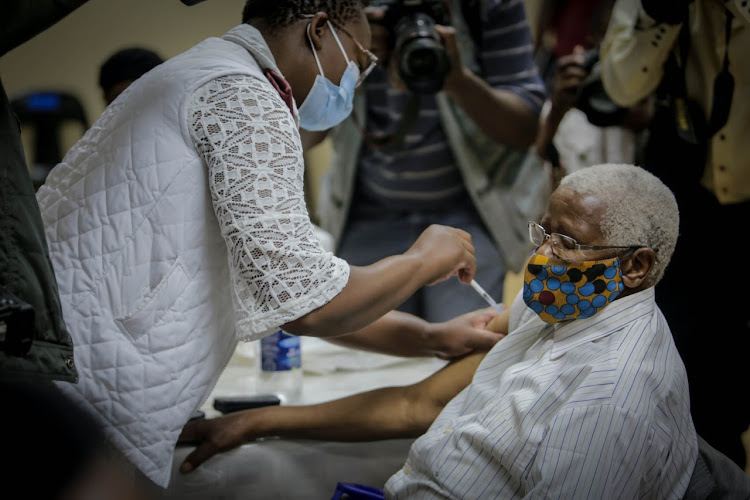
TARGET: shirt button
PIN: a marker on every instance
(447, 430)
(407, 469)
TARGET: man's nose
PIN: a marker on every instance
(545, 248)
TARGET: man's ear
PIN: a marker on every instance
(318, 26)
(637, 267)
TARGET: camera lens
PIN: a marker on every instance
(423, 62)
(423, 65)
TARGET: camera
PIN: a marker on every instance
(593, 100)
(422, 60)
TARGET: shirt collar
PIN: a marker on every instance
(615, 316)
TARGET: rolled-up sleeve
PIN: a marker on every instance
(506, 54)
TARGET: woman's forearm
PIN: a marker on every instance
(396, 334)
(371, 292)
(439, 253)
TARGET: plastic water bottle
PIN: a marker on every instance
(279, 366)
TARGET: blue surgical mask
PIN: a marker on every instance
(328, 104)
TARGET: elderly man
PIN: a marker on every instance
(586, 397)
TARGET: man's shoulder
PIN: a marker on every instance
(652, 380)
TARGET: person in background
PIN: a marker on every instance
(34, 341)
(416, 152)
(56, 450)
(179, 227)
(123, 67)
(692, 54)
(579, 125)
(562, 25)
(585, 397)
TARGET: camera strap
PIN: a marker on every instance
(723, 90)
(674, 70)
(406, 123)
(723, 86)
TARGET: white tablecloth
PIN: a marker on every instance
(285, 469)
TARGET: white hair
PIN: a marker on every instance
(641, 210)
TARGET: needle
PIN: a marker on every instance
(485, 296)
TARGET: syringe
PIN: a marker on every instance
(485, 296)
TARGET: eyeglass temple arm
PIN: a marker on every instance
(604, 247)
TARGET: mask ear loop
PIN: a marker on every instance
(336, 37)
(315, 52)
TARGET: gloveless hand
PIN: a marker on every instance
(457, 68)
(464, 334)
(216, 435)
(567, 81)
(444, 252)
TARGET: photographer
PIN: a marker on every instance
(693, 54)
(418, 151)
(580, 125)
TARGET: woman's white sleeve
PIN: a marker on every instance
(251, 146)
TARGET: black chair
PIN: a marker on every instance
(46, 112)
(716, 477)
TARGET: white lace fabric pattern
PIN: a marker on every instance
(252, 149)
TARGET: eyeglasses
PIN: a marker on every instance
(565, 246)
(370, 56)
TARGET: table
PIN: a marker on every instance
(278, 468)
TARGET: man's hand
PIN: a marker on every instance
(567, 81)
(444, 252)
(457, 69)
(212, 436)
(467, 333)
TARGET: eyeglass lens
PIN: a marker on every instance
(538, 236)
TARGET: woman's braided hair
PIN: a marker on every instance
(281, 13)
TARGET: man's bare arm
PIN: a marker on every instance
(385, 413)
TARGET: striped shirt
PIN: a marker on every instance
(422, 173)
(592, 408)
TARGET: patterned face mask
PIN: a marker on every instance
(559, 290)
